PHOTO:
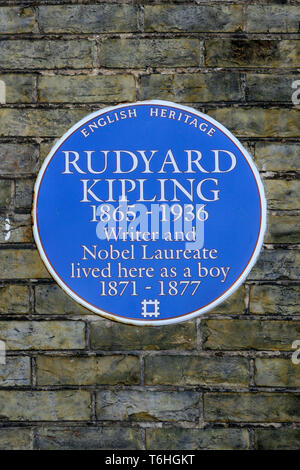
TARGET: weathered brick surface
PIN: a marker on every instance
(267, 87)
(278, 300)
(136, 53)
(276, 373)
(19, 88)
(15, 372)
(5, 193)
(277, 156)
(24, 194)
(105, 370)
(192, 370)
(147, 406)
(277, 439)
(16, 228)
(39, 54)
(283, 228)
(272, 19)
(83, 89)
(50, 299)
(193, 18)
(18, 159)
(276, 265)
(251, 53)
(234, 304)
(225, 381)
(193, 88)
(258, 122)
(89, 438)
(109, 335)
(249, 334)
(43, 335)
(61, 405)
(37, 122)
(282, 194)
(17, 20)
(191, 439)
(252, 407)
(94, 19)
(45, 148)
(14, 299)
(16, 439)
(21, 264)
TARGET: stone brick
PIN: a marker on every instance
(21, 264)
(193, 87)
(251, 407)
(282, 194)
(44, 335)
(275, 300)
(86, 89)
(88, 438)
(249, 334)
(38, 122)
(252, 53)
(105, 370)
(269, 87)
(40, 54)
(61, 405)
(276, 265)
(5, 193)
(51, 299)
(109, 335)
(249, 146)
(15, 372)
(95, 19)
(193, 18)
(24, 194)
(258, 122)
(16, 439)
(17, 20)
(195, 370)
(277, 157)
(136, 53)
(234, 304)
(45, 148)
(196, 439)
(18, 159)
(14, 299)
(16, 228)
(147, 406)
(277, 439)
(18, 88)
(276, 372)
(283, 229)
(272, 19)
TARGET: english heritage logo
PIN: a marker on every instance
(149, 213)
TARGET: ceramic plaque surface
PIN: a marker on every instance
(149, 213)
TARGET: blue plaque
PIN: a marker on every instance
(149, 213)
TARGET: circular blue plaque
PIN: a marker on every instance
(149, 213)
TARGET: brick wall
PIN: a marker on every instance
(74, 380)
